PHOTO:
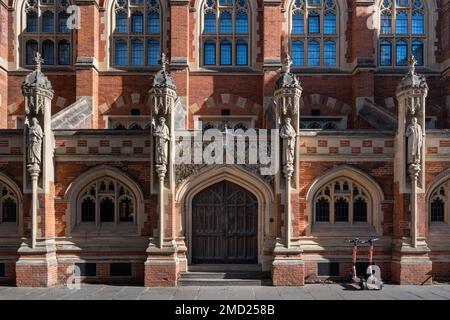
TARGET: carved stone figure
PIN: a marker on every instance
(34, 143)
(162, 137)
(415, 135)
(288, 134)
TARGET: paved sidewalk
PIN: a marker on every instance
(308, 292)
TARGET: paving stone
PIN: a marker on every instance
(158, 294)
(240, 293)
(294, 293)
(212, 293)
(184, 293)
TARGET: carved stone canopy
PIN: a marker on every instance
(163, 79)
(412, 80)
(287, 79)
(36, 79)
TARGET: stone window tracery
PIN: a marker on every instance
(106, 200)
(314, 35)
(342, 201)
(438, 204)
(8, 205)
(402, 32)
(225, 36)
(136, 34)
(45, 30)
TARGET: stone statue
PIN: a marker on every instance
(288, 134)
(415, 136)
(34, 143)
(162, 137)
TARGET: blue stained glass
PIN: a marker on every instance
(401, 53)
(153, 52)
(62, 22)
(137, 52)
(225, 53)
(120, 53)
(241, 53)
(31, 48)
(329, 23)
(47, 21)
(153, 22)
(32, 22)
(297, 23)
(64, 52)
(47, 52)
(137, 22)
(313, 23)
(417, 50)
(121, 22)
(386, 23)
(209, 54)
(329, 53)
(225, 22)
(210, 22)
(241, 22)
(313, 53)
(385, 53)
(417, 25)
(401, 23)
(297, 53)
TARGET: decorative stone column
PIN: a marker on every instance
(37, 265)
(161, 267)
(411, 263)
(288, 265)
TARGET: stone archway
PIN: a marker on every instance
(245, 181)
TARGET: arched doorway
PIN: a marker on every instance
(224, 225)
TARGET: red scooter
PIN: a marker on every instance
(355, 278)
(373, 281)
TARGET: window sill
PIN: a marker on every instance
(225, 70)
(105, 229)
(358, 229)
(9, 229)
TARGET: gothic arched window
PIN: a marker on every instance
(136, 34)
(314, 35)
(225, 36)
(8, 205)
(342, 200)
(402, 32)
(438, 204)
(106, 201)
(46, 31)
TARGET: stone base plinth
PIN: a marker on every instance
(37, 267)
(288, 267)
(411, 266)
(162, 266)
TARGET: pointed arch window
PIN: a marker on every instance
(313, 24)
(46, 26)
(136, 33)
(8, 205)
(106, 200)
(342, 201)
(438, 204)
(402, 26)
(226, 31)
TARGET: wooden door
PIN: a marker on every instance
(224, 225)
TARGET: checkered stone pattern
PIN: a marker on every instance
(103, 146)
(11, 145)
(437, 146)
(346, 146)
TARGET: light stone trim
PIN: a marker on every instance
(196, 183)
(375, 193)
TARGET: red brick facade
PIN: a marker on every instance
(247, 93)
